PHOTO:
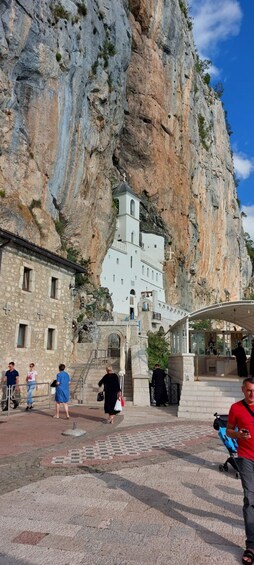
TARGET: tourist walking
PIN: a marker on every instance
(158, 382)
(62, 394)
(241, 360)
(241, 417)
(11, 380)
(112, 391)
(31, 385)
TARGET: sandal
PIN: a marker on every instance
(248, 557)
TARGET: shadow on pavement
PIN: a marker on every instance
(159, 501)
(8, 560)
(204, 495)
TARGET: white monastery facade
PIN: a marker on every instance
(133, 268)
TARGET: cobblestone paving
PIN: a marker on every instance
(133, 444)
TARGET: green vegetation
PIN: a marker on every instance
(201, 67)
(94, 67)
(250, 248)
(59, 12)
(34, 204)
(80, 317)
(108, 50)
(200, 325)
(184, 9)
(158, 351)
(218, 89)
(58, 57)
(80, 278)
(60, 226)
(82, 9)
(2, 193)
(203, 131)
(228, 126)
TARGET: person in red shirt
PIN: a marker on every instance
(241, 427)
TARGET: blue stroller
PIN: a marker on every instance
(220, 425)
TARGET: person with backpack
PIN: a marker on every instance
(240, 426)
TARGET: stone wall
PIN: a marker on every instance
(181, 368)
(140, 377)
(37, 311)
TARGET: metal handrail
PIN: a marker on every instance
(10, 393)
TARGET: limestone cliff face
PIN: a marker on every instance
(176, 150)
(91, 89)
(62, 93)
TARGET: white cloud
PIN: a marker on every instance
(243, 166)
(248, 223)
(214, 21)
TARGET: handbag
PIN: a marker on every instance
(100, 396)
(122, 401)
(118, 406)
(53, 384)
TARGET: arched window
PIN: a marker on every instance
(113, 345)
(143, 270)
(131, 262)
(132, 208)
(132, 237)
(147, 272)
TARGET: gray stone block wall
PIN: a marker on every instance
(36, 309)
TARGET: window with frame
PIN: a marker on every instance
(54, 288)
(27, 277)
(22, 336)
(132, 208)
(51, 339)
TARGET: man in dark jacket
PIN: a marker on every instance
(11, 380)
(158, 382)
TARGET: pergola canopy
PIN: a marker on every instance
(239, 313)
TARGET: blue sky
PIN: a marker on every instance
(224, 33)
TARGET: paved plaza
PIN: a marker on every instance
(146, 490)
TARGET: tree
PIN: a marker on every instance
(158, 351)
(200, 325)
(218, 89)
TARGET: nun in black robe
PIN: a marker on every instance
(158, 382)
(112, 391)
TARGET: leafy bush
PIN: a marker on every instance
(59, 12)
(82, 9)
(2, 193)
(58, 57)
(34, 204)
(203, 131)
(218, 89)
(200, 325)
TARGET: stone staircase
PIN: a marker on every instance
(128, 388)
(201, 399)
(92, 377)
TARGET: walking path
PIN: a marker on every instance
(144, 491)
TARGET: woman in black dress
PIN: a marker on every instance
(112, 390)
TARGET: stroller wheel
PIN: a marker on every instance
(221, 468)
(225, 467)
(237, 475)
